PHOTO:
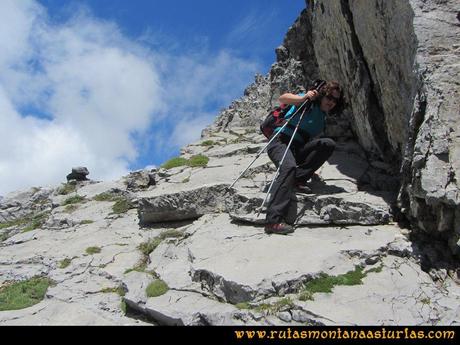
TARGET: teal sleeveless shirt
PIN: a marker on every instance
(312, 123)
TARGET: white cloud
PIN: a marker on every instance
(98, 90)
(252, 28)
(188, 130)
(201, 82)
(99, 87)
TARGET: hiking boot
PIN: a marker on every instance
(316, 178)
(302, 188)
(278, 228)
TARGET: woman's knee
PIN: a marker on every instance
(288, 167)
(328, 144)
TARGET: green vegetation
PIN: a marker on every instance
(4, 236)
(305, 295)
(198, 161)
(325, 283)
(67, 188)
(36, 221)
(157, 288)
(194, 161)
(208, 143)
(104, 197)
(73, 200)
(268, 308)
(275, 307)
(93, 250)
(243, 305)
(65, 262)
(71, 203)
(174, 162)
(186, 180)
(140, 267)
(118, 290)
(123, 307)
(16, 222)
(86, 221)
(426, 301)
(122, 205)
(23, 294)
(31, 221)
(148, 247)
(70, 208)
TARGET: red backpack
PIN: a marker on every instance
(274, 119)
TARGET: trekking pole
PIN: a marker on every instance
(282, 160)
(272, 138)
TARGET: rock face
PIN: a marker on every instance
(398, 64)
(430, 193)
(180, 247)
(398, 61)
(204, 242)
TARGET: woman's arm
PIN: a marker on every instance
(290, 98)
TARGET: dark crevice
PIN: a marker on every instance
(137, 314)
(376, 113)
(170, 224)
(416, 121)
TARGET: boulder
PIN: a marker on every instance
(78, 174)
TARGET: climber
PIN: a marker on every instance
(306, 154)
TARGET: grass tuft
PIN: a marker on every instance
(325, 283)
(157, 288)
(194, 161)
(23, 294)
(65, 263)
(198, 161)
(208, 143)
(122, 205)
(73, 200)
(67, 188)
(174, 162)
(93, 250)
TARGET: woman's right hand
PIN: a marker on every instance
(311, 95)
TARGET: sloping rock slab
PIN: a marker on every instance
(57, 313)
(184, 205)
(194, 203)
(341, 208)
(401, 293)
(358, 208)
(241, 263)
(176, 308)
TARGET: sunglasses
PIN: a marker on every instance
(332, 98)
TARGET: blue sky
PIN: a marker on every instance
(118, 85)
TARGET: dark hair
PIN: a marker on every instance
(327, 90)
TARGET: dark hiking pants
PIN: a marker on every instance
(298, 167)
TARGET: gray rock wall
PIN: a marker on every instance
(369, 47)
(398, 63)
(430, 192)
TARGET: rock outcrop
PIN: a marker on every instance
(180, 247)
(398, 64)
(78, 174)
